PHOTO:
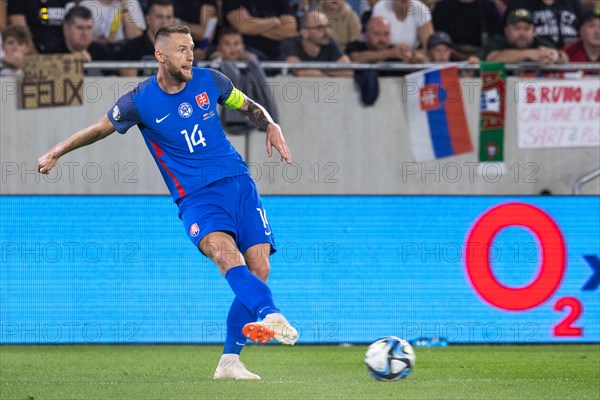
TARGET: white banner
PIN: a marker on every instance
(558, 113)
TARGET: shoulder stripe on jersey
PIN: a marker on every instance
(235, 100)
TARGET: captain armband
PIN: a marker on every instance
(235, 100)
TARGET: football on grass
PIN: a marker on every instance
(390, 358)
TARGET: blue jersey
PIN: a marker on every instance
(183, 131)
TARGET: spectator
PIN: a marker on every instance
(78, 37)
(195, 14)
(377, 47)
(587, 48)
(251, 80)
(160, 12)
(410, 21)
(264, 24)
(439, 47)
(555, 20)
(440, 50)
(345, 23)
(230, 47)
(314, 44)
(520, 43)
(115, 20)
(16, 44)
(469, 38)
(44, 19)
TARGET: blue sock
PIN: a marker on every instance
(238, 316)
(251, 291)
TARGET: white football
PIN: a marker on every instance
(390, 358)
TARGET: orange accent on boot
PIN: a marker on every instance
(257, 332)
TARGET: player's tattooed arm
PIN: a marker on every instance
(256, 114)
(261, 118)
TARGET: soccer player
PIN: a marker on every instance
(218, 201)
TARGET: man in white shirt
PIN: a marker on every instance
(410, 21)
(116, 20)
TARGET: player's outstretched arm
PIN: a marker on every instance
(89, 135)
(261, 118)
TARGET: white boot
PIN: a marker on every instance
(230, 367)
(274, 326)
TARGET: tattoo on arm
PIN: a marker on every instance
(256, 114)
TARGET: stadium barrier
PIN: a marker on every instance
(339, 147)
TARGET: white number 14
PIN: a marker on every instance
(194, 139)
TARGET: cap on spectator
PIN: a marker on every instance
(439, 37)
(518, 15)
(589, 16)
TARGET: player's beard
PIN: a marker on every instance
(177, 74)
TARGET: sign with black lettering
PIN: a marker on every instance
(52, 80)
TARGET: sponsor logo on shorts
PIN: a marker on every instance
(194, 230)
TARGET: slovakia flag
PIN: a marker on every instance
(437, 122)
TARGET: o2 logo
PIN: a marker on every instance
(551, 271)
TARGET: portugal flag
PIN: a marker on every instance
(491, 123)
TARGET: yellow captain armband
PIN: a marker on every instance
(235, 100)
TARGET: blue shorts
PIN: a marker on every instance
(232, 205)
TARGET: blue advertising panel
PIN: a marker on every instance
(120, 269)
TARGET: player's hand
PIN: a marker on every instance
(47, 162)
(275, 139)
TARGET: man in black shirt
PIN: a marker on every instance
(195, 14)
(160, 12)
(264, 24)
(469, 23)
(43, 17)
(555, 20)
(520, 43)
(77, 30)
(314, 44)
(376, 47)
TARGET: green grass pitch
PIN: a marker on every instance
(300, 372)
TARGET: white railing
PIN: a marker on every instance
(585, 179)
(383, 66)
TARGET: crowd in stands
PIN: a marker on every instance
(410, 31)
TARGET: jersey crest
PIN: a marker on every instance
(185, 110)
(203, 101)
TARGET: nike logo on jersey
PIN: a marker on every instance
(158, 121)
